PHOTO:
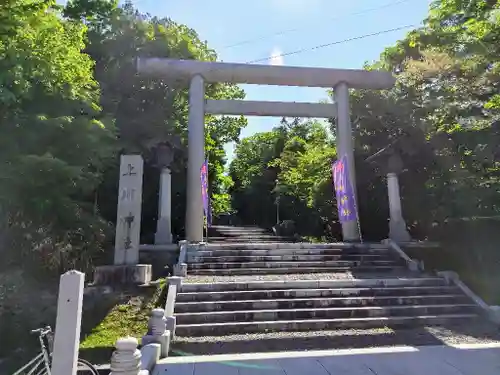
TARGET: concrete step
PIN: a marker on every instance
(349, 285)
(304, 303)
(293, 264)
(280, 294)
(290, 246)
(218, 329)
(211, 317)
(288, 252)
(288, 258)
(296, 270)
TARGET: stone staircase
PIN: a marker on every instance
(238, 286)
(274, 306)
(228, 234)
(285, 258)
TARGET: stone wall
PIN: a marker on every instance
(161, 261)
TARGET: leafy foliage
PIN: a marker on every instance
(288, 165)
(71, 102)
(53, 144)
(149, 111)
(443, 114)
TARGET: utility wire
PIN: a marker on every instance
(308, 49)
(286, 31)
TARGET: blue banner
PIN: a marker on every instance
(343, 191)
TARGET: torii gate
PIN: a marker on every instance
(198, 72)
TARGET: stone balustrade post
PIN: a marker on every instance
(126, 359)
(157, 332)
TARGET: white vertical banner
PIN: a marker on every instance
(128, 220)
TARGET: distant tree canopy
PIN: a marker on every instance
(289, 163)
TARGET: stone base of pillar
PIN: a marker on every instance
(132, 274)
(398, 231)
(163, 235)
(163, 340)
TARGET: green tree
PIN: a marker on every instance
(306, 181)
(290, 163)
(149, 111)
(53, 143)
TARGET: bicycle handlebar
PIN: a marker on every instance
(42, 331)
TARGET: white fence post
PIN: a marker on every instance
(68, 321)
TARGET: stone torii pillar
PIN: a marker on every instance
(345, 146)
(196, 156)
(197, 73)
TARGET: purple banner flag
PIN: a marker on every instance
(204, 191)
(343, 191)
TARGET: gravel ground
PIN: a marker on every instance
(299, 276)
(480, 332)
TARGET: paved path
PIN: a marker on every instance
(478, 359)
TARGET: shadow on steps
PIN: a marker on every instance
(340, 339)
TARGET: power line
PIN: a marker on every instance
(327, 44)
(307, 49)
(286, 31)
(248, 41)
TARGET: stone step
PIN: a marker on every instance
(303, 303)
(292, 264)
(287, 252)
(237, 232)
(296, 270)
(306, 285)
(277, 294)
(227, 228)
(288, 245)
(236, 240)
(248, 236)
(219, 329)
(324, 339)
(210, 317)
(288, 258)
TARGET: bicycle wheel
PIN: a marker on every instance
(86, 368)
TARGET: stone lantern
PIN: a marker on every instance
(390, 162)
(164, 153)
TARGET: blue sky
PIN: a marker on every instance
(258, 23)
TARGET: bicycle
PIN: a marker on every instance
(42, 363)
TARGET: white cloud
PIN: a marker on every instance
(276, 57)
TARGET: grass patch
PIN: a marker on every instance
(128, 317)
